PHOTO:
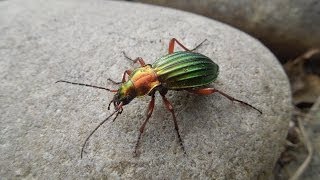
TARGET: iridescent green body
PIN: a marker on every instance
(181, 70)
(185, 69)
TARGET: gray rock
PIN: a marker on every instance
(287, 27)
(43, 124)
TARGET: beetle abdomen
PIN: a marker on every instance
(185, 69)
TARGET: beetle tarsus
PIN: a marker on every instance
(126, 56)
(207, 91)
(237, 100)
(195, 48)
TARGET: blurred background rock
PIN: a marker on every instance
(288, 27)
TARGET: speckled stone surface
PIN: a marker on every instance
(43, 124)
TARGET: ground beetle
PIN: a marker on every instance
(181, 70)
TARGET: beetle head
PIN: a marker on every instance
(126, 93)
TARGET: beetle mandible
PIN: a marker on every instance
(180, 70)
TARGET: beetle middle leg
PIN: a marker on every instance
(170, 108)
(174, 40)
(197, 46)
(207, 91)
(149, 113)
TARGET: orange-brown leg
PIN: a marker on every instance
(207, 91)
(171, 45)
(170, 108)
(128, 72)
(173, 40)
(149, 113)
(138, 59)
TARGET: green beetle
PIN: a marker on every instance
(181, 70)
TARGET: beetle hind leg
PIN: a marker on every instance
(174, 40)
(207, 91)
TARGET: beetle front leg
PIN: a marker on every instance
(170, 108)
(128, 72)
(114, 82)
(149, 113)
(207, 91)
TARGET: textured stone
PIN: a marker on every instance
(43, 124)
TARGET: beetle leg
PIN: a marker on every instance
(195, 48)
(149, 113)
(207, 91)
(171, 45)
(138, 59)
(128, 72)
(114, 82)
(170, 108)
(173, 40)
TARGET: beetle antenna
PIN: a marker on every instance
(88, 85)
(119, 108)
